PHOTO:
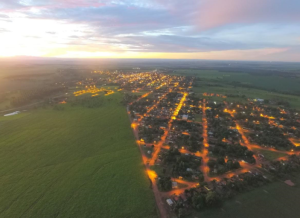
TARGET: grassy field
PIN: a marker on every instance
(276, 200)
(265, 81)
(198, 117)
(270, 155)
(213, 81)
(248, 92)
(77, 162)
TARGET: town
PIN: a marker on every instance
(198, 152)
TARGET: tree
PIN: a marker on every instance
(201, 178)
(212, 199)
(221, 160)
(180, 213)
(211, 163)
(236, 165)
(198, 201)
(164, 183)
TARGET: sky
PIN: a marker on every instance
(263, 30)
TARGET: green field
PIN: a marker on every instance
(264, 81)
(270, 155)
(77, 162)
(198, 117)
(266, 86)
(221, 88)
(276, 200)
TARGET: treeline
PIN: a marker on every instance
(243, 85)
(222, 149)
(28, 76)
(26, 96)
(2, 98)
(212, 194)
(128, 98)
(220, 166)
(182, 165)
(89, 102)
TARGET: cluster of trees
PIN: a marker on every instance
(180, 163)
(245, 182)
(221, 123)
(193, 141)
(58, 107)
(141, 105)
(164, 183)
(205, 200)
(200, 199)
(236, 96)
(171, 97)
(27, 96)
(219, 166)
(232, 150)
(191, 111)
(149, 135)
(271, 136)
(152, 130)
(2, 98)
(282, 168)
(256, 117)
(89, 102)
(184, 125)
(221, 132)
(283, 103)
(128, 98)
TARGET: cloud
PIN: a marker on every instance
(2, 30)
(4, 16)
(153, 26)
(215, 13)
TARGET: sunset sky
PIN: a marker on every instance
(266, 30)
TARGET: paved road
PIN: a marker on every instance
(159, 202)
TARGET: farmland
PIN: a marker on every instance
(268, 82)
(76, 162)
(227, 89)
(263, 80)
(248, 92)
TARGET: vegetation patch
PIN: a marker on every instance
(77, 162)
(270, 155)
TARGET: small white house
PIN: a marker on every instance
(11, 114)
(174, 185)
(170, 202)
(185, 117)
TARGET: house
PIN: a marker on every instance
(258, 100)
(185, 117)
(11, 114)
(206, 188)
(174, 184)
(170, 202)
(183, 197)
(176, 198)
(289, 182)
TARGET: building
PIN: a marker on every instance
(185, 117)
(11, 114)
(170, 202)
(174, 185)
